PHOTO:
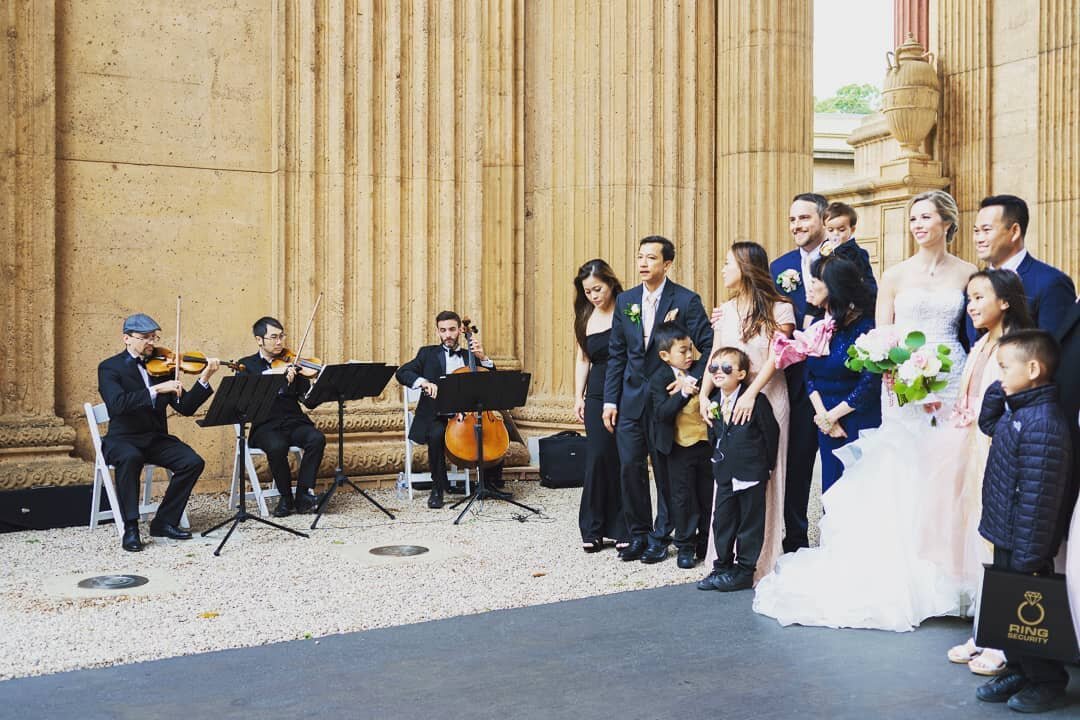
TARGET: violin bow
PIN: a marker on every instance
(303, 340)
(177, 356)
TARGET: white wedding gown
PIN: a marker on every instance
(889, 535)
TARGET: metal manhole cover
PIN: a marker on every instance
(113, 582)
(399, 550)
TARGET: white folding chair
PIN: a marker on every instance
(258, 494)
(96, 415)
(410, 397)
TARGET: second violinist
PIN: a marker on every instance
(287, 424)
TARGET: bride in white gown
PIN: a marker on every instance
(884, 557)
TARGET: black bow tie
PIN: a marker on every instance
(140, 361)
(452, 352)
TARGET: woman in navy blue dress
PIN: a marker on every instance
(600, 515)
(845, 402)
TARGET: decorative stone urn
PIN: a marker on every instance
(911, 97)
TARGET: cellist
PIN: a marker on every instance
(139, 433)
(431, 363)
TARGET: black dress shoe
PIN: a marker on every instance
(712, 580)
(1037, 699)
(736, 579)
(131, 541)
(654, 554)
(634, 550)
(1001, 688)
(458, 489)
(284, 507)
(306, 501)
(169, 531)
(686, 558)
(435, 499)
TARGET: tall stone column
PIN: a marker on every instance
(764, 128)
(911, 16)
(35, 444)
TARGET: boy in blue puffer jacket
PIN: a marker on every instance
(1024, 490)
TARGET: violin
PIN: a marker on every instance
(306, 367)
(460, 437)
(162, 362)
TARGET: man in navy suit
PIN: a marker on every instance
(1000, 228)
(139, 434)
(1068, 382)
(634, 360)
(431, 363)
(791, 271)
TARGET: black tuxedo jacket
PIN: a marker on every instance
(747, 451)
(632, 364)
(131, 413)
(287, 404)
(1068, 379)
(665, 408)
(430, 364)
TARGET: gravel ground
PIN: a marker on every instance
(270, 586)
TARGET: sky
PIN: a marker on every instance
(850, 41)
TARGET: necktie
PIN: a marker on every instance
(648, 316)
(728, 406)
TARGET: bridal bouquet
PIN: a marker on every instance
(913, 368)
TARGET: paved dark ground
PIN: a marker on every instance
(671, 652)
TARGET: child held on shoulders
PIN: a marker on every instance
(681, 439)
(1025, 486)
(743, 457)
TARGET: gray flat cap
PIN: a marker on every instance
(140, 323)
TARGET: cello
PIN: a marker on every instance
(460, 438)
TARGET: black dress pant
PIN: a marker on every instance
(436, 446)
(738, 526)
(275, 438)
(129, 453)
(1038, 671)
(801, 452)
(690, 476)
(632, 437)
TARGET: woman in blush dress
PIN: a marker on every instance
(600, 515)
(996, 305)
(889, 518)
(749, 321)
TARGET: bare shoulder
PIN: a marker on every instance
(960, 271)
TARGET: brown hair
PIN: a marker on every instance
(741, 358)
(583, 309)
(757, 284)
(839, 209)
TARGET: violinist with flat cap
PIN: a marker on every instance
(139, 433)
(287, 424)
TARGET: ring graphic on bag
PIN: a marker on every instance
(1032, 599)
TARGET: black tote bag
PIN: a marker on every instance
(1026, 614)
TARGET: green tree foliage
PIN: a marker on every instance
(858, 99)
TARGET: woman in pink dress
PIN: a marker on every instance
(749, 321)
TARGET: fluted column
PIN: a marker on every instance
(619, 122)
(1059, 135)
(764, 132)
(964, 132)
(34, 442)
(911, 16)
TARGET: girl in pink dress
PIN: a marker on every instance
(749, 321)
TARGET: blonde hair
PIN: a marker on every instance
(945, 206)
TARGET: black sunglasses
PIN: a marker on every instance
(725, 368)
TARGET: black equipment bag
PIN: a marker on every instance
(562, 460)
(1025, 614)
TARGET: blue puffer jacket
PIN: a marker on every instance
(1027, 474)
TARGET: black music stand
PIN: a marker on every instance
(480, 392)
(239, 400)
(340, 383)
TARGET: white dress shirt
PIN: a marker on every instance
(1014, 262)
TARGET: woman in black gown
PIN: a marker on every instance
(600, 516)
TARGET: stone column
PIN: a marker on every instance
(911, 16)
(764, 130)
(35, 444)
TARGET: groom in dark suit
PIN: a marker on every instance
(1000, 228)
(1068, 382)
(635, 359)
(431, 363)
(139, 434)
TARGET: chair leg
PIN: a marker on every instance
(95, 499)
(236, 486)
(256, 488)
(114, 502)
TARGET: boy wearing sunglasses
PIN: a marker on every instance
(743, 457)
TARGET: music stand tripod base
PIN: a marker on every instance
(238, 399)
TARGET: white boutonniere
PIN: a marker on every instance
(714, 410)
(634, 313)
(788, 280)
